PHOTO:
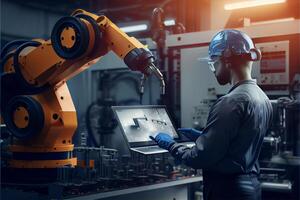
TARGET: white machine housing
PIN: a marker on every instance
(198, 85)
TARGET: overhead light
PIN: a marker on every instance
(134, 28)
(251, 3)
(273, 21)
(169, 22)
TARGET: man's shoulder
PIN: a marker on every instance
(236, 97)
(231, 102)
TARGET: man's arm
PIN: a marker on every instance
(223, 123)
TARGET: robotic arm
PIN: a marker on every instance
(36, 105)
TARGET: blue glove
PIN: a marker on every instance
(190, 133)
(163, 140)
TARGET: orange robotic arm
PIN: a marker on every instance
(36, 104)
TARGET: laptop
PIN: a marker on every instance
(139, 122)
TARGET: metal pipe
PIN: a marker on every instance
(277, 187)
(160, 76)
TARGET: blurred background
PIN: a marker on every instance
(34, 18)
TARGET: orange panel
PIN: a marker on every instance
(21, 117)
(82, 163)
(68, 37)
(34, 149)
(117, 40)
(59, 125)
(42, 163)
(40, 60)
(9, 66)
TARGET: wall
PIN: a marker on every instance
(19, 21)
(219, 16)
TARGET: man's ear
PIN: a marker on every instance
(255, 54)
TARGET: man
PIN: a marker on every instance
(228, 147)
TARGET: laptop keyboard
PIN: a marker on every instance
(150, 148)
(157, 149)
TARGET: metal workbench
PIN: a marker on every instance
(178, 189)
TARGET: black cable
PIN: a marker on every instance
(10, 45)
(4, 60)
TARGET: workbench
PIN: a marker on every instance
(171, 190)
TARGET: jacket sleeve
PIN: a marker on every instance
(223, 123)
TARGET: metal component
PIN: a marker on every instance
(70, 37)
(273, 142)
(153, 69)
(277, 187)
(142, 84)
(135, 193)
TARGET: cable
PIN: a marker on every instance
(10, 45)
(4, 60)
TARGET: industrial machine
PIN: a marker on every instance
(278, 42)
(38, 158)
(36, 105)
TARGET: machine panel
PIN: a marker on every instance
(273, 69)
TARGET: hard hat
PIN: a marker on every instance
(229, 43)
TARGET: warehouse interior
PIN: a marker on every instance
(87, 88)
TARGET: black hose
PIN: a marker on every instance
(4, 60)
(10, 45)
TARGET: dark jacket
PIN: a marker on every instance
(232, 138)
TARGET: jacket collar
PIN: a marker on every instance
(251, 81)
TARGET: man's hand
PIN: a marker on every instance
(190, 133)
(163, 140)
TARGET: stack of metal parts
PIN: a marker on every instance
(105, 165)
(102, 169)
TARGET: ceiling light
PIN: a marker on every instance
(273, 21)
(134, 28)
(251, 3)
(169, 22)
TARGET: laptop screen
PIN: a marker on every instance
(139, 122)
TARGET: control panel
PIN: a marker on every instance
(273, 69)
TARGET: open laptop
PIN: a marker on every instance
(139, 122)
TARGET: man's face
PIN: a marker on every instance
(221, 71)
